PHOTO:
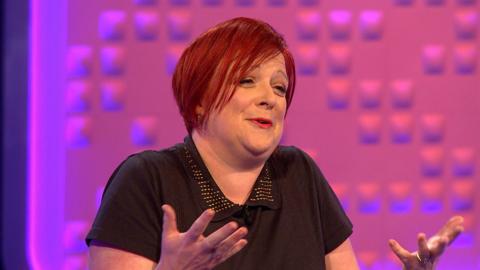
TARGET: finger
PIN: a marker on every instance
(236, 236)
(401, 253)
(227, 244)
(454, 234)
(220, 235)
(456, 228)
(169, 220)
(456, 220)
(234, 249)
(450, 231)
(423, 250)
(231, 245)
(452, 228)
(440, 247)
(199, 225)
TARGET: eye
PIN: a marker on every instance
(281, 90)
(246, 82)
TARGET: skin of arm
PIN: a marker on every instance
(342, 258)
(102, 257)
(180, 251)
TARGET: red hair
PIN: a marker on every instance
(211, 67)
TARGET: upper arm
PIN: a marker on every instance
(342, 257)
(103, 257)
(336, 227)
(129, 217)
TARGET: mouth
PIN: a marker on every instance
(262, 122)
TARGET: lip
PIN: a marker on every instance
(261, 122)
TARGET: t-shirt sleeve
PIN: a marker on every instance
(336, 226)
(129, 217)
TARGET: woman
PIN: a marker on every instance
(230, 197)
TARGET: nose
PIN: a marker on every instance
(267, 98)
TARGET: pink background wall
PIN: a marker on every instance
(387, 102)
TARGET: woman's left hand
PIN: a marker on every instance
(429, 251)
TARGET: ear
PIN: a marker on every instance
(199, 110)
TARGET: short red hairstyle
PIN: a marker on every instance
(211, 67)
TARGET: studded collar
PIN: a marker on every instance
(264, 192)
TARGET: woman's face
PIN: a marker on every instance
(251, 123)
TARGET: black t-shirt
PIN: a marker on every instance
(292, 215)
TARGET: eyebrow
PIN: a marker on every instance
(282, 73)
(256, 68)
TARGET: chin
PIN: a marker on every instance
(261, 149)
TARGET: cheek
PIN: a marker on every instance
(283, 109)
(238, 103)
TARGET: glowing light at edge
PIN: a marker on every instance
(32, 135)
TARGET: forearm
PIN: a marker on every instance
(342, 258)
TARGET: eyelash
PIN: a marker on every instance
(244, 81)
(280, 88)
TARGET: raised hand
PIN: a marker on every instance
(192, 250)
(429, 251)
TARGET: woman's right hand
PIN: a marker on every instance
(192, 250)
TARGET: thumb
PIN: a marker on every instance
(169, 220)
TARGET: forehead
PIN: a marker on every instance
(277, 62)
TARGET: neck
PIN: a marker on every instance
(234, 175)
(219, 156)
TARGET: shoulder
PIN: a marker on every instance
(292, 155)
(293, 163)
(145, 168)
(152, 159)
(154, 156)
